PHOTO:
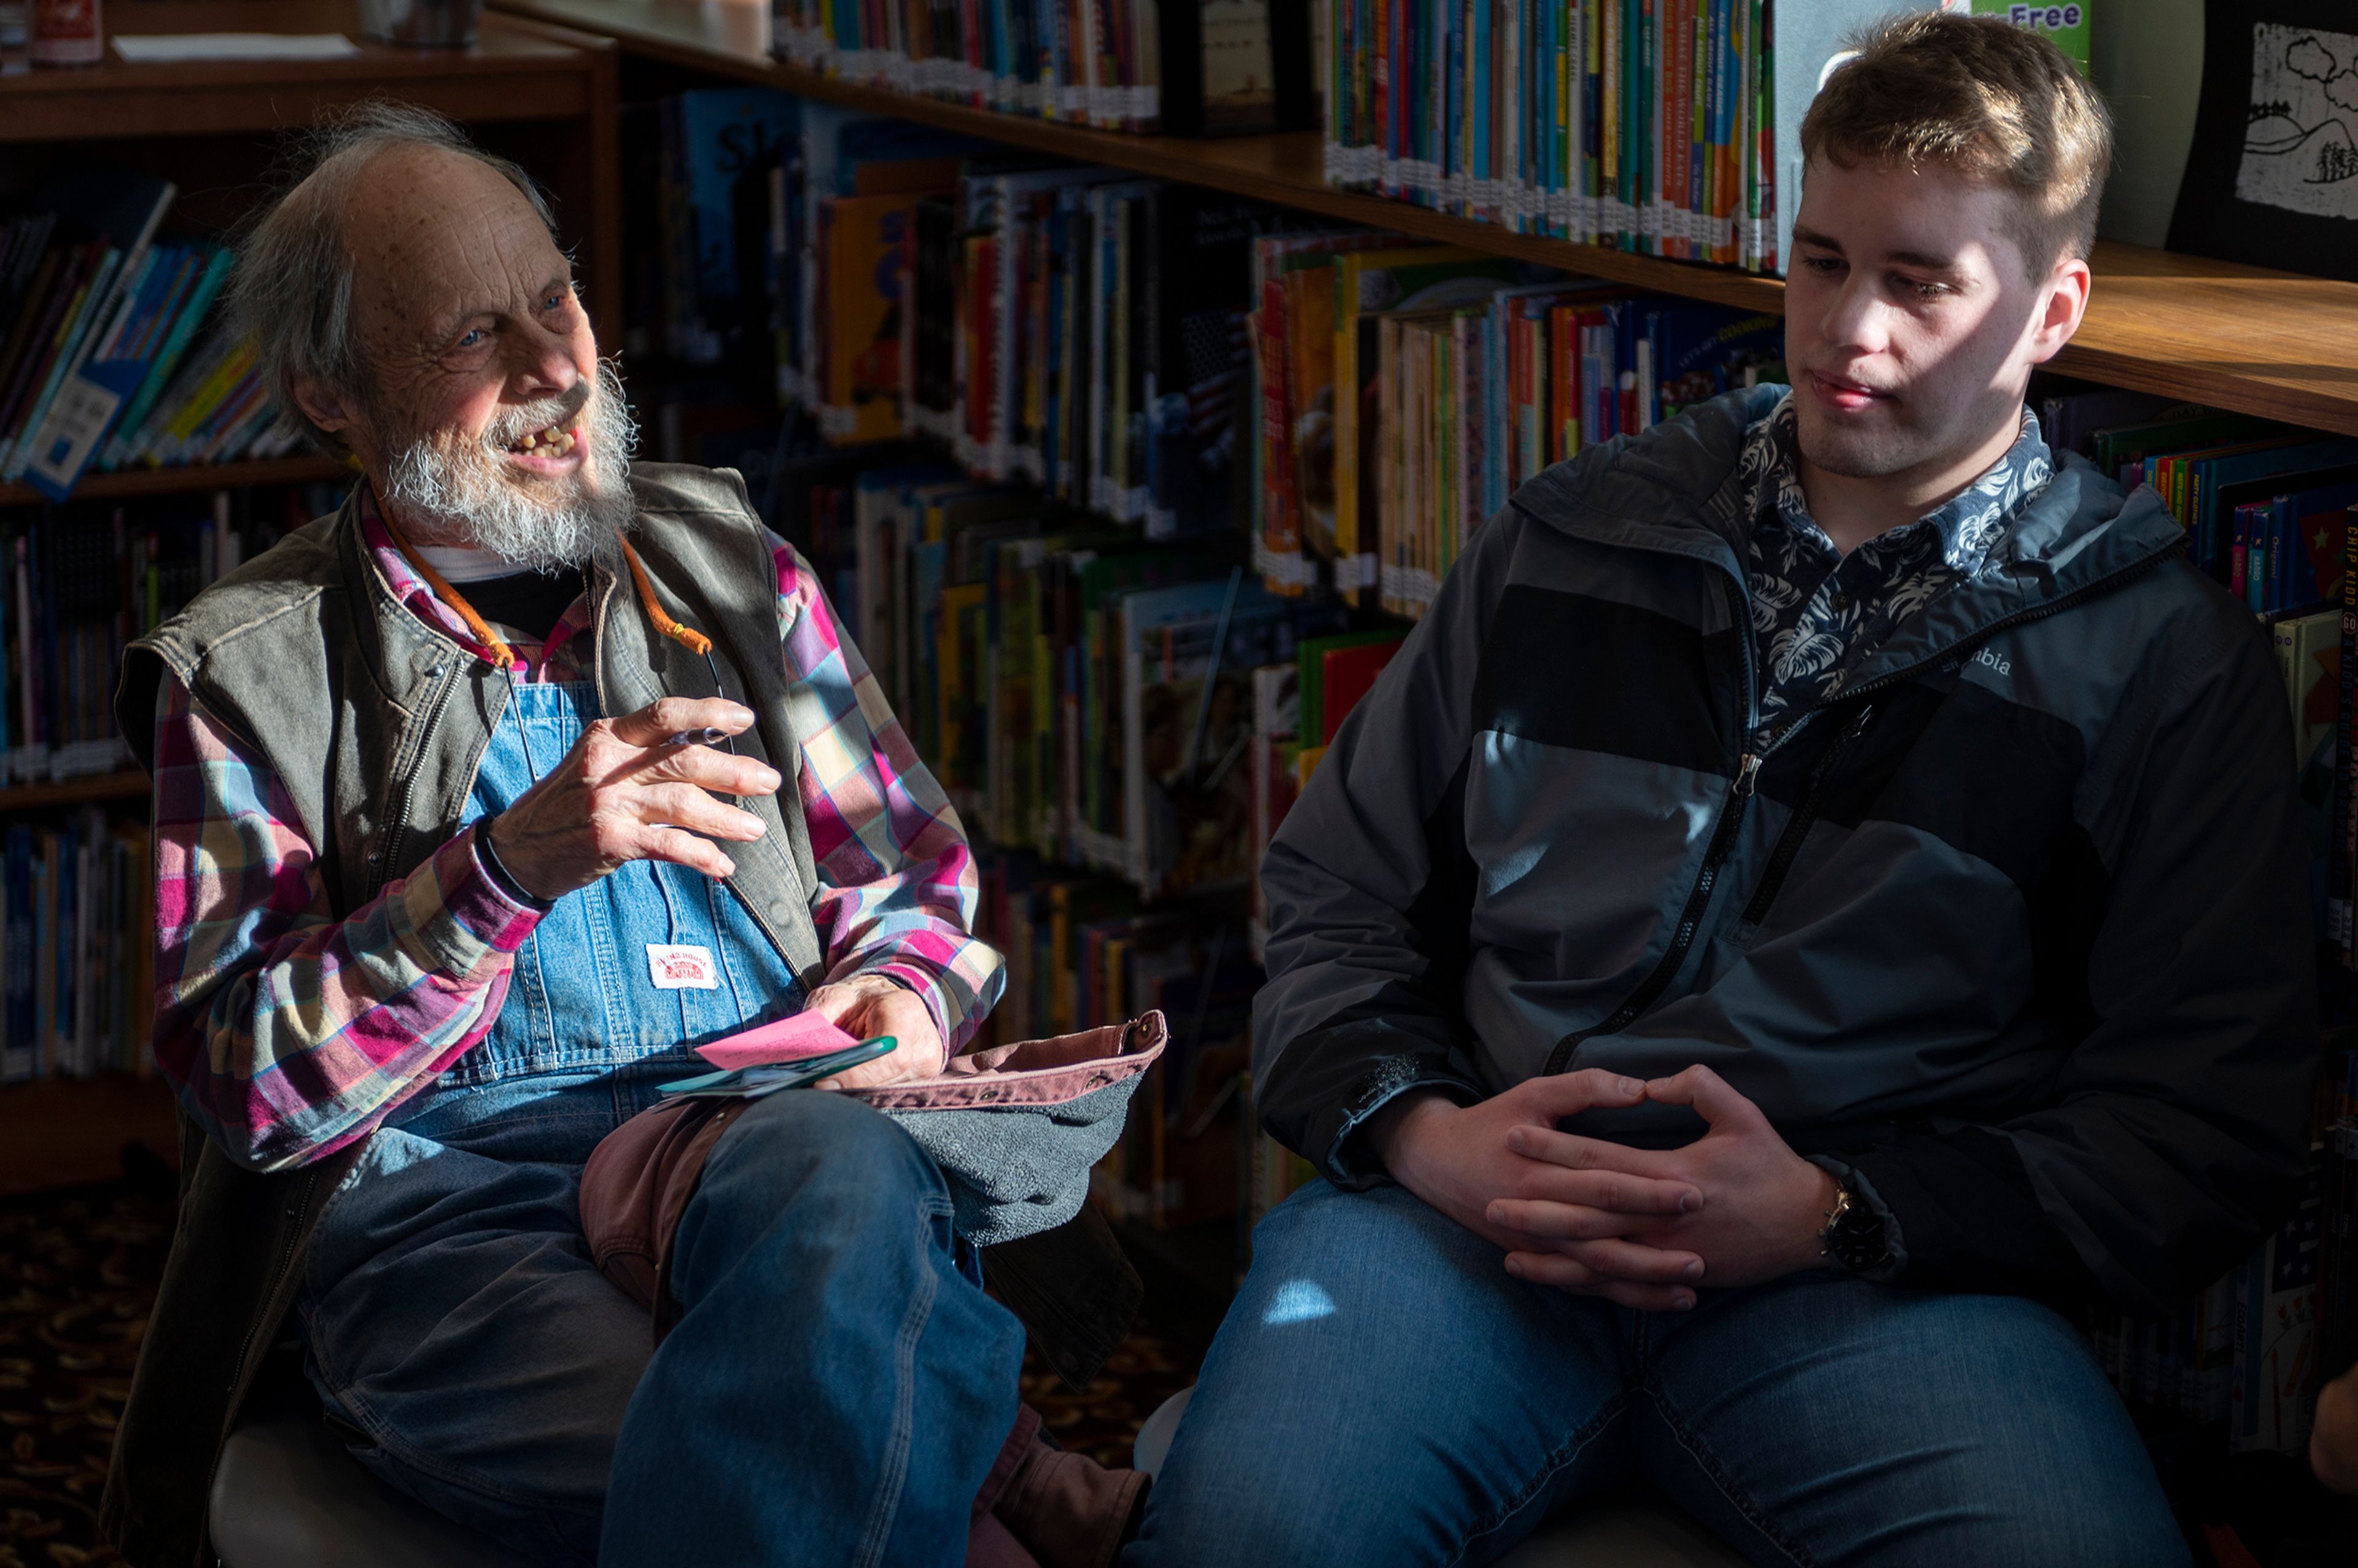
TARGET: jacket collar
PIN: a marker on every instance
(1677, 489)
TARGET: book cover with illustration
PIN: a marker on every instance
(862, 392)
(1188, 654)
(2272, 177)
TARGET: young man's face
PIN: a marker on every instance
(1910, 322)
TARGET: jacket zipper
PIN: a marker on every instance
(1731, 815)
(1788, 843)
(1723, 839)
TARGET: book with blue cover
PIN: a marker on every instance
(70, 412)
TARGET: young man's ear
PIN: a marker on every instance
(2061, 305)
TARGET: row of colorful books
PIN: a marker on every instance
(1090, 63)
(77, 945)
(1127, 65)
(82, 581)
(1642, 124)
(114, 356)
(1078, 692)
(1095, 342)
(1406, 390)
(1157, 353)
(1669, 127)
(1074, 328)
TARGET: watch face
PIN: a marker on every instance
(1856, 1240)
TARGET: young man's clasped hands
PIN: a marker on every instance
(1639, 1226)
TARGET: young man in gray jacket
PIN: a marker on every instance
(1821, 892)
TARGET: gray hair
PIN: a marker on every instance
(292, 291)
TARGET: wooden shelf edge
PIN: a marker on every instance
(128, 785)
(509, 74)
(69, 1132)
(190, 481)
(1284, 169)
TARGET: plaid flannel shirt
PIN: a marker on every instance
(289, 1033)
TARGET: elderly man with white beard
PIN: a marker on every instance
(472, 816)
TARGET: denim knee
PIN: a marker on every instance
(823, 1160)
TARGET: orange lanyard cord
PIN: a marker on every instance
(687, 637)
(449, 595)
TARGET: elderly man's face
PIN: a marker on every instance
(485, 421)
(465, 308)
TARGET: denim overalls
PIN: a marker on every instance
(447, 1275)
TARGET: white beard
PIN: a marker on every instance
(464, 493)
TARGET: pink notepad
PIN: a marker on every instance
(787, 1039)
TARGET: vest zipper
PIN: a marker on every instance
(409, 790)
(293, 1241)
(1788, 843)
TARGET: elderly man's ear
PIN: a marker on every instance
(326, 408)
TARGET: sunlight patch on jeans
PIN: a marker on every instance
(1298, 1300)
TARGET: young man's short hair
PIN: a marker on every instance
(1991, 100)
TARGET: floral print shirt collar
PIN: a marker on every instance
(1816, 612)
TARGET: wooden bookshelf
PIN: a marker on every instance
(508, 74)
(64, 1132)
(531, 90)
(129, 784)
(191, 480)
(2271, 343)
(518, 73)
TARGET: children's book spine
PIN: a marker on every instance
(1562, 123)
(1569, 195)
(1434, 77)
(1678, 97)
(1456, 156)
(2345, 764)
(1476, 108)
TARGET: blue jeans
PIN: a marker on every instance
(1382, 1392)
(833, 1393)
(837, 1385)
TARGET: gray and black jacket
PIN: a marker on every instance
(2015, 926)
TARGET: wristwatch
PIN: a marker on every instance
(1852, 1238)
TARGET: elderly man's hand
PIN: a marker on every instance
(627, 792)
(866, 1006)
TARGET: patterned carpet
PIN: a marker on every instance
(78, 1272)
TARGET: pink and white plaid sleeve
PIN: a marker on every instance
(286, 1033)
(897, 879)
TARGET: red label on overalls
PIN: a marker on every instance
(679, 967)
